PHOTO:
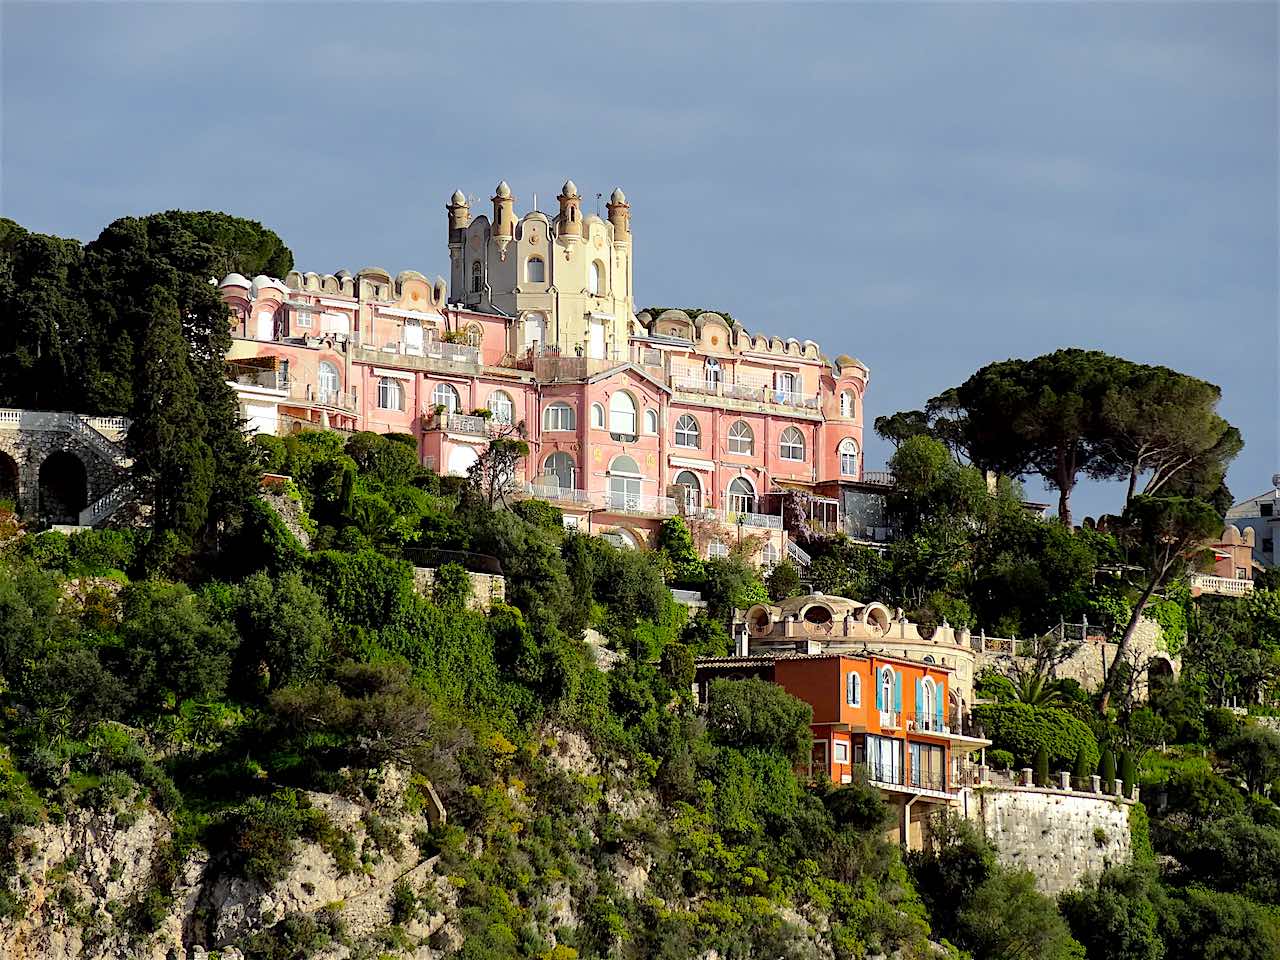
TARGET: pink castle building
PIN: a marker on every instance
(630, 417)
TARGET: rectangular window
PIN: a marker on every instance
(928, 766)
(842, 751)
(884, 759)
(852, 689)
(1264, 509)
(303, 319)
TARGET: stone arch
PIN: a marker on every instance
(1160, 670)
(63, 479)
(10, 474)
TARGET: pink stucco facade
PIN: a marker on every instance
(698, 417)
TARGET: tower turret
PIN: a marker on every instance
(459, 213)
(504, 217)
(620, 215)
(570, 211)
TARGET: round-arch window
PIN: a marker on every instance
(848, 449)
(791, 444)
(818, 615)
(687, 432)
(535, 270)
(624, 464)
(622, 413)
(501, 407)
(742, 496)
(446, 396)
(328, 382)
(691, 487)
(741, 439)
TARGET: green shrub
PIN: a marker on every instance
(1128, 771)
(1107, 770)
(451, 587)
(1000, 759)
(100, 551)
(1220, 723)
(1081, 771)
(1042, 766)
(1021, 728)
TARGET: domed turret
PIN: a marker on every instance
(620, 215)
(570, 226)
(459, 214)
(504, 217)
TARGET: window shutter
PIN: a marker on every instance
(880, 704)
(939, 694)
(919, 694)
(897, 691)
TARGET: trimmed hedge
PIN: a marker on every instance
(1021, 729)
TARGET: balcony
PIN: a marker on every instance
(555, 492)
(459, 423)
(746, 391)
(892, 776)
(891, 719)
(640, 504)
(434, 355)
(305, 394)
(1219, 586)
(879, 478)
(763, 521)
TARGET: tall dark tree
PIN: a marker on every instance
(172, 460)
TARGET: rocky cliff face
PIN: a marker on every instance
(83, 881)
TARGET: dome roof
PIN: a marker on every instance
(234, 280)
(503, 190)
(459, 199)
(617, 196)
(570, 189)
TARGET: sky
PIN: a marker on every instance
(928, 187)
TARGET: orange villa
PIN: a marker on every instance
(894, 719)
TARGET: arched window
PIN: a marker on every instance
(927, 707)
(741, 439)
(712, 370)
(557, 416)
(559, 470)
(390, 394)
(622, 413)
(846, 404)
(848, 450)
(690, 488)
(769, 556)
(327, 381)
(742, 496)
(624, 483)
(446, 396)
(597, 416)
(595, 279)
(687, 432)
(535, 270)
(500, 405)
(477, 277)
(791, 444)
(651, 421)
(473, 335)
(885, 691)
(853, 689)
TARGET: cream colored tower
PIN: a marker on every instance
(565, 282)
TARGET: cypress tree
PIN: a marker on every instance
(167, 436)
(1080, 770)
(1042, 766)
(1128, 771)
(1107, 770)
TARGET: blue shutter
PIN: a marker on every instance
(897, 691)
(879, 692)
(919, 695)
(939, 695)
